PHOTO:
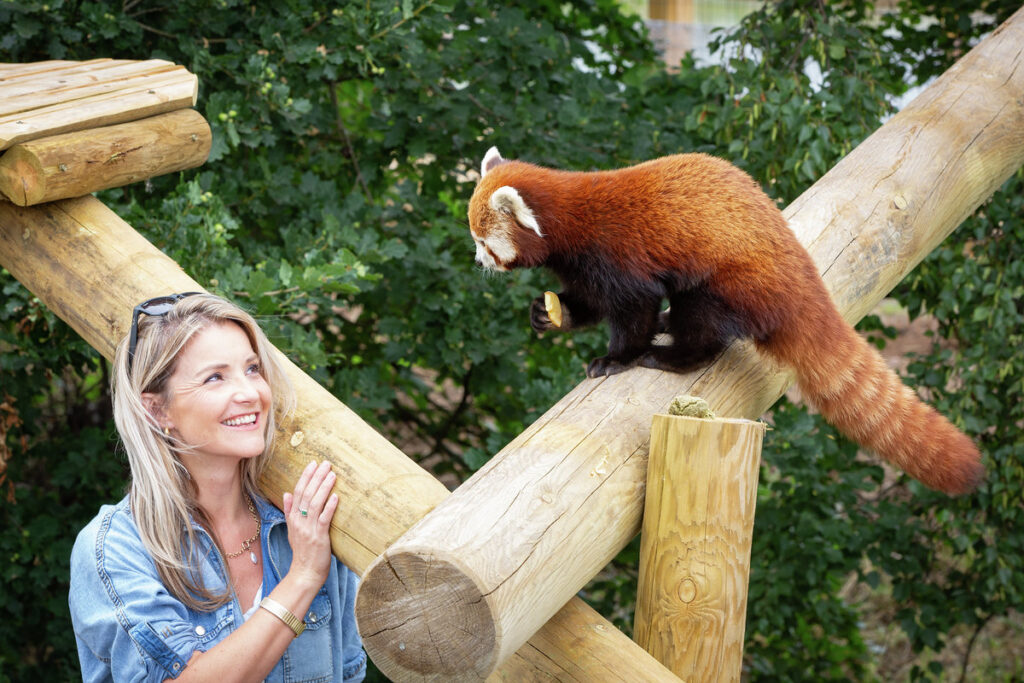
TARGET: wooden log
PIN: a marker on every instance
(691, 602)
(156, 94)
(79, 163)
(90, 268)
(49, 87)
(15, 71)
(551, 508)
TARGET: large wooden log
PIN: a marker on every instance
(82, 162)
(691, 598)
(547, 512)
(90, 268)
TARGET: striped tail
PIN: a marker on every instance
(848, 381)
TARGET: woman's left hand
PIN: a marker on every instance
(308, 511)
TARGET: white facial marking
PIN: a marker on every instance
(503, 249)
(494, 252)
(507, 199)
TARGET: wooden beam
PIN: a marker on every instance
(147, 95)
(691, 600)
(23, 91)
(90, 268)
(554, 506)
(82, 162)
(12, 71)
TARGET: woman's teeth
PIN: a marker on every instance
(244, 420)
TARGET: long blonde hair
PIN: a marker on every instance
(163, 497)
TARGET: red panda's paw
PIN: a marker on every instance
(605, 367)
(540, 319)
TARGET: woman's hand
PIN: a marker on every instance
(308, 512)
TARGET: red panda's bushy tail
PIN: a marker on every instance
(848, 381)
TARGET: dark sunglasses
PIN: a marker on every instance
(159, 305)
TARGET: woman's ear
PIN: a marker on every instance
(154, 405)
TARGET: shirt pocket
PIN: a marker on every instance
(310, 657)
(172, 643)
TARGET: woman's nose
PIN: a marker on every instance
(245, 391)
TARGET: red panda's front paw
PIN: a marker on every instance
(540, 321)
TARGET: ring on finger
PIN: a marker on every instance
(304, 512)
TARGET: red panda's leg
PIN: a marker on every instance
(631, 333)
(701, 326)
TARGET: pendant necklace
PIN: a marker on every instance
(247, 543)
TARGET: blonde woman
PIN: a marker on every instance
(194, 576)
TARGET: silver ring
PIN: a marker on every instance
(303, 512)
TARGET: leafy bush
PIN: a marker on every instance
(334, 207)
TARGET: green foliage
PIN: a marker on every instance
(334, 207)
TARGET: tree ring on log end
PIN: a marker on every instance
(425, 617)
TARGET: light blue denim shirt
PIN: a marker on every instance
(130, 628)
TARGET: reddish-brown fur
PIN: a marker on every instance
(690, 224)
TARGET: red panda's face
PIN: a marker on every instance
(504, 228)
(494, 232)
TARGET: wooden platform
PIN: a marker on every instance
(41, 100)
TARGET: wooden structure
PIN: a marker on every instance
(72, 128)
(528, 530)
(524, 534)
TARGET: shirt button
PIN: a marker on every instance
(176, 666)
(200, 631)
(312, 617)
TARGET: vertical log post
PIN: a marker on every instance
(695, 547)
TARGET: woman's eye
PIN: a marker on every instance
(214, 377)
(254, 369)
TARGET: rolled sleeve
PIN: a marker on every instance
(128, 627)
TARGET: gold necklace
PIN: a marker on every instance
(247, 543)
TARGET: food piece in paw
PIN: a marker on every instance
(554, 308)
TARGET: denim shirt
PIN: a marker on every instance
(130, 628)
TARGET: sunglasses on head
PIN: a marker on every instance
(159, 305)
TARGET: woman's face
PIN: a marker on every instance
(219, 401)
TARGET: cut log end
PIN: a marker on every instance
(405, 634)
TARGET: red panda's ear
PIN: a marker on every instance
(491, 159)
(506, 199)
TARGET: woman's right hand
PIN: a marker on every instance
(309, 533)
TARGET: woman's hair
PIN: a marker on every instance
(163, 496)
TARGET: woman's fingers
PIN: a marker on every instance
(322, 492)
(312, 491)
(302, 483)
(329, 507)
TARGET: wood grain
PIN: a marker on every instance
(31, 88)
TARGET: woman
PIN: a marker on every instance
(194, 576)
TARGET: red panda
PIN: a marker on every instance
(699, 232)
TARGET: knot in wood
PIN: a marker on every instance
(687, 590)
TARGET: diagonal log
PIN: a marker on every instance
(501, 555)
